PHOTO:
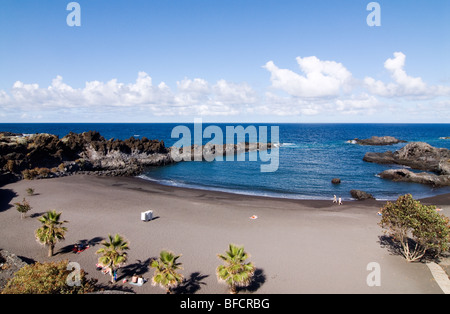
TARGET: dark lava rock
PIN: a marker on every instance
(378, 141)
(417, 155)
(361, 195)
(87, 151)
(405, 175)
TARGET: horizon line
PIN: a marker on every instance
(243, 122)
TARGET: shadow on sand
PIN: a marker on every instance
(395, 248)
(139, 269)
(5, 198)
(259, 278)
(191, 285)
(91, 243)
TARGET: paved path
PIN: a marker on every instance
(440, 276)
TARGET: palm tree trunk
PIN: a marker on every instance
(50, 250)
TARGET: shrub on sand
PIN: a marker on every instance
(23, 208)
(47, 278)
(419, 229)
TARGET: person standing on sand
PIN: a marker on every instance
(340, 201)
(334, 199)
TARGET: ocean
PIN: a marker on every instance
(310, 156)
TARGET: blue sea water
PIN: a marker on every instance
(309, 157)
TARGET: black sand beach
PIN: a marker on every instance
(297, 246)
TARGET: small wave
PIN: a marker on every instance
(291, 145)
(163, 182)
(351, 142)
(236, 191)
(444, 138)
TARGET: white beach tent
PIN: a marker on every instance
(147, 216)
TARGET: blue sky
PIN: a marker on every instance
(224, 61)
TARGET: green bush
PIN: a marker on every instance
(43, 172)
(31, 174)
(10, 165)
(418, 228)
(23, 208)
(46, 278)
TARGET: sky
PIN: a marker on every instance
(285, 61)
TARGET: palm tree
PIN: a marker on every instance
(166, 271)
(235, 273)
(113, 253)
(51, 230)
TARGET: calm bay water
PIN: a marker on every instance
(310, 156)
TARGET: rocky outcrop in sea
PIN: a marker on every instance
(377, 141)
(210, 151)
(361, 195)
(405, 175)
(416, 155)
(46, 155)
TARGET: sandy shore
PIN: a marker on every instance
(297, 246)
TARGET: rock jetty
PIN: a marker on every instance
(210, 151)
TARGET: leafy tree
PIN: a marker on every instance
(235, 272)
(166, 268)
(113, 254)
(418, 228)
(23, 208)
(51, 230)
(47, 278)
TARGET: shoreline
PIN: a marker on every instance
(440, 199)
(298, 246)
(313, 203)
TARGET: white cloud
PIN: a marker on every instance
(191, 97)
(403, 85)
(320, 79)
(322, 89)
(358, 104)
(232, 93)
(327, 87)
(191, 92)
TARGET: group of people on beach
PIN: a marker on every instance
(337, 200)
(79, 247)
